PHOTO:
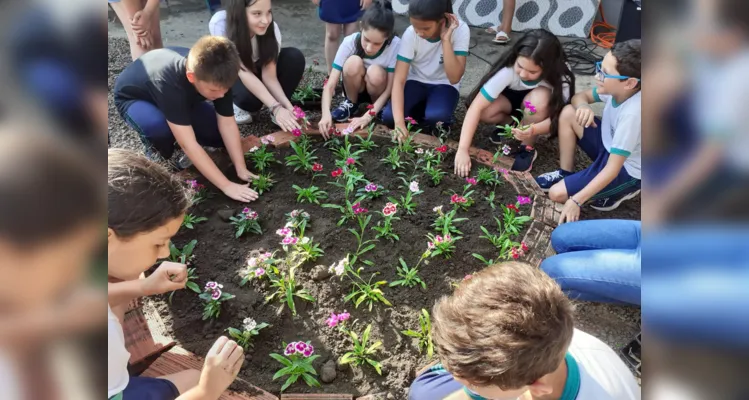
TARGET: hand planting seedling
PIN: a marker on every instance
(199, 191)
(361, 354)
(445, 222)
(366, 143)
(424, 334)
(404, 140)
(508, 130)
(410, 276)
(488, 176)
(246, 221)
(406, 202)
(244, 336)
(384, 228)
(442, 245)
(312, 194)
(297, 361)
(262, 156)
(262, 183)
(190, 220)
(214, 296)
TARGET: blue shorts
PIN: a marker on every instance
(145, 388)
(592, 144)
(340, 11)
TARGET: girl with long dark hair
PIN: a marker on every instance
(269, 73)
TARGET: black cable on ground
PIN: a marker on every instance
(473, 43)
(581, 56)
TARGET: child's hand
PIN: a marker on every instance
(522, 134)
(169, 276)
(326, 122)
(401, 131)
(240, 192)
(462, 163)
(360, 122)
(244, 174)
(222, 364)
(451, 24)
(585, 116)
(286, 119)
(570, 212)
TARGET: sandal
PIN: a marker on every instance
(501, 38)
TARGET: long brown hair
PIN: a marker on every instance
(238, 31)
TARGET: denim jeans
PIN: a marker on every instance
(597, 260)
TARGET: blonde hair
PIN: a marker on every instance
(214, 59)
(508, 326)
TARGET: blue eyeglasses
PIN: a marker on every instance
(600, 75)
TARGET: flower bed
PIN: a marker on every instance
(391, 278)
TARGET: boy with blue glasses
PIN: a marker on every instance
(613, 143)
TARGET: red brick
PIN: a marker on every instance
(538, 239)
(317, 396)
(145, 335)
(250, 142)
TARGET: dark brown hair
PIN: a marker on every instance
(48, 187)
(214, 59)
(238, 31)
(508, 326)
(141, 194)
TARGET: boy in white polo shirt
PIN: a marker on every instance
(613, 144)
(431, 63)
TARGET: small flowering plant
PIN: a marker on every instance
(393, 158)
(371, 191)
(246, 221)
(199, 191)
(513, 220)
(362, 353)
(311, 194)
(301, 116)
(213, 296)
(405, 145)
(297, 219)
(424, 334)
(527, 110)
(384, 228)
(435, 173)
(257, 267)
(442, 245)
(445, 222)
(286, 287)
(488, 176)
(190, 220)
(365, 142)
(297, 361)
(351, 178)
(244, 336)
(262, 183)
(406, 202)
(345, 153)
(338, 320)
(261, 156)
(303, 157)
(464, 200)
(410, 276)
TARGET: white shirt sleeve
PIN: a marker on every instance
(117, 356)
(395, 47)
(346, 50)
(497, 83)
(217, 24)
(277, 32)
(461, 39)
(627, 135)
(407, 49)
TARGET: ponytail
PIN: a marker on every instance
(378, 16)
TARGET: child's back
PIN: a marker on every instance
(603, 374)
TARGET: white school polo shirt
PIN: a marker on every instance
(217, 27)
(621, 131)
(117, 356)
(385, 58)
(425, 56)
(506, 78)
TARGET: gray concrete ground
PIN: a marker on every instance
(187, 20)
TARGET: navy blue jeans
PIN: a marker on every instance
(597, 260)
(427, 104)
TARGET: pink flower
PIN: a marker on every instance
(284, 232)
(411, 121)
(448, 238)
(371, 111)
(524, 200)
(295, 213)
(389, 209)
(299, 113)
(267, 255)
(350, 161)
(216, 294)
(371, 187)
(266, 140)
(296, 132)
(193, 183)
(259, 272)
(347, 131)
(300, 346)
(457, 199)
(246, 210)
(344, 316)
(437, 239)
(524, 246)
(515, 253)
(251, 215)
(211, 285)
(290, 349)
(370, 107)
(512, 207)
(430, 245)
(358, 209)
(316, 167)
(289, 240)
(332, 321)
(501, 170)
(336, 173)
(471, 181)
(530, 108)
(506, 150)
(308, 352)
(419, 151)
(441, 149)
(467, 277)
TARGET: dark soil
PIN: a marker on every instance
(218, 257)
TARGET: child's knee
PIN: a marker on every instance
(434, 115)
(376, 76)
(353, 66)
(540, 98)
(558, 193)
(332, 32)
(568, 114)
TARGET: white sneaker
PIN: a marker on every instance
(241, 116)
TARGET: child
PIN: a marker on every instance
(146, 208)
(268, 74)
(431, 63)
(508, 333)
(367, 61)
(338, 14)
(613, 144)
(140, 18)
(162, 96)
(534, 72)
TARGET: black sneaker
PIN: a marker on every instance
(613, 201)
(344, 111)
(547, 180)
(524, 159)
(496, 136)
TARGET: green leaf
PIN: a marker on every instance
(376, 365)
(365, 335)
(374, 347)
(283, 371)
(311, 381)
(411, 333)
(347, 358)
(283, 360)
(292, 378)
(193, 286)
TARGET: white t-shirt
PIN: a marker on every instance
(425, 56)
(386, 57)
(621, 130)
(603, 375)
(217, 27)
(506, 78)
(117, 356)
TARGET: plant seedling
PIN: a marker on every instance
(244, 336)
(246, 221)
(424, 334)
(361, 354)
(366, 143)
(312, 194)
(262, 183)
(214, 296)
(384, 228)
(190, 220)
(297, 363)
(261, 156)
(409, 276)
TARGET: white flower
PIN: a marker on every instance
(254, 149)
(340, 267)
(249, 324)
(252, 262)
(437, 209)
(305, 240)
(419, 151)
(414, 186)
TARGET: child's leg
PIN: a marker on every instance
(498, 111)
(290, 69)
(205, 125)
(569, 133)
(376, 80)
(539, 97)
(332, 34)
(440, 106)
(414, 93)
(353, 77)
(350, 29)
(151, 124)
(125, 9)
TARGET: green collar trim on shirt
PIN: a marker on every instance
(614, 103)
(531, 83)
(358, 39)
(572, 386)
(118, 396)
(434, 40)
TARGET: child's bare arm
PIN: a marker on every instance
(397, 95)
(583, 98)
(167, 277)
(571, 210)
